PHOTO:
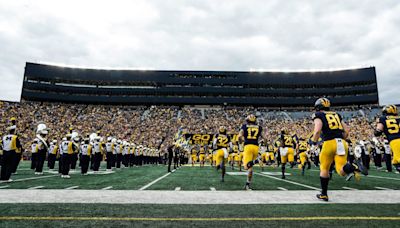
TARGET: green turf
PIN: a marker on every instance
(196, 178)
(196, 211)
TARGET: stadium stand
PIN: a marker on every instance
(257, 89)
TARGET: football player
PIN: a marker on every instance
(222, 144)
(302, 149)
(333, 131)
(250, 134)
(194, 155)
(389, 124)
(202, 156)
(270, 156)
(286, 150)
(263, 155)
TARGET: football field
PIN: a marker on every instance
(148, 195)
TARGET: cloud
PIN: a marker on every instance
(201, 35)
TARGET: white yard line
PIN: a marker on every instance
(5, 186)
(382, 188)
(153, 182)
(388, 178)
(283, 189)
(72, 187)
(34, 178)
(212, 189)
(36, 187)
(177, 188)
(288, 181)
(347, 188)
(107, 188)
(192, 197)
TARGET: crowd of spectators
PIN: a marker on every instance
(153, 126)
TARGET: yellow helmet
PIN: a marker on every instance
(322, 104)
(222, 130)
(13, 119)
(389, 110)
(251, 118)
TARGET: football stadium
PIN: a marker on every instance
(154, 158)
(199, 114)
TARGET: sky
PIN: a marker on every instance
(237, 35)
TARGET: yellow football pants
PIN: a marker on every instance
(395, 147)
(328, 155)
(288, 157)
(250, 153)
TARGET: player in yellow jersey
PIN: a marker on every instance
(333, 131)
(234, 154)
(250, 134)
(202, 156)
(222, 143)
(262, 154)
(193, 155)
(270, 156)
(210, 156)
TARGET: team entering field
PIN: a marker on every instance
(328, 147)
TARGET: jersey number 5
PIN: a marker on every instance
(392, 126)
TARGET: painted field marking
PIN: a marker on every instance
(36, 187)
(382, 188)
(72, 187)
(388, 178)
(316, 218)
(5, 186)
(287, 181)
(283, 189)
(107, 188)
(154, 181)
(177, 188)
(276, 173)
(34, 178)
(191, 197)
(348, 188)
(212, 189)
(237, 173)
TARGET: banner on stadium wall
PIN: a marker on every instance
(205, 139)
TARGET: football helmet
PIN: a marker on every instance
(322, 104)
(251, 118)
(222, 130)
(389, 110)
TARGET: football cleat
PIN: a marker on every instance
(323, 197)
(349, 176)
(247, 187)
(359, 167)
(283, 177)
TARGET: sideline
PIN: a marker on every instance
(192, 197)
